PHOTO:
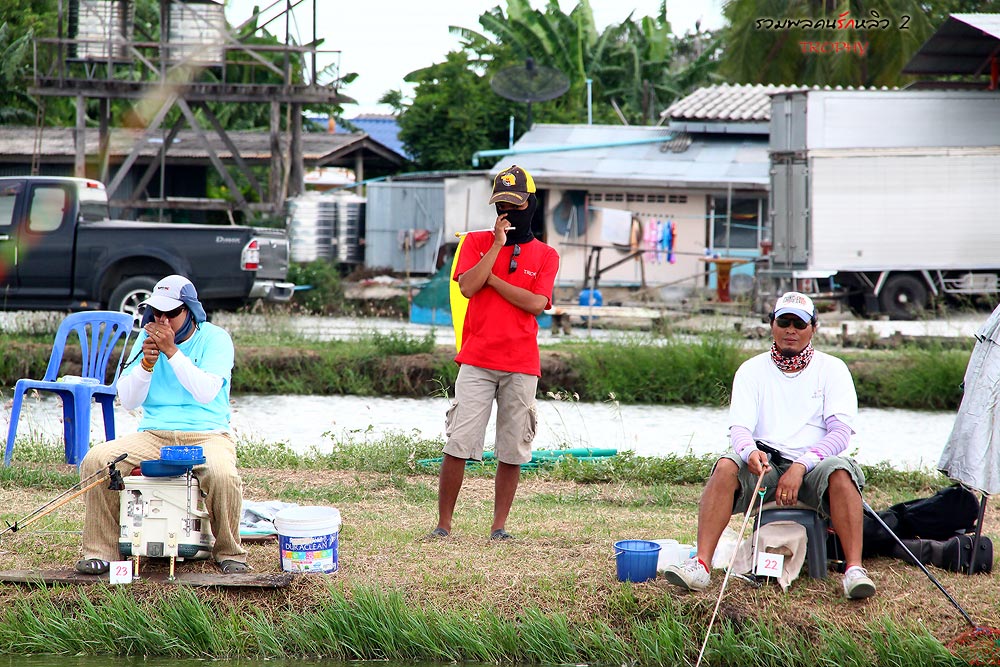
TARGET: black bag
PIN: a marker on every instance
(951, 510)
(953, 554)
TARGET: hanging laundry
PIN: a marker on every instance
(649, 241)
(616, 226)
(661, 244)
(671, 240)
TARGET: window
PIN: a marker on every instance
(741, 230)
(636, 197)
(48, 207)
(7, 201)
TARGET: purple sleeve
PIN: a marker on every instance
(838, 435)
(742, 441)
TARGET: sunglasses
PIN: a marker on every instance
(785, 322)
(169, 314)
(513, 259)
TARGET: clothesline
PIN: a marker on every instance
(641, 214)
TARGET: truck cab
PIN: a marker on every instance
(59, 250)
(37, 231)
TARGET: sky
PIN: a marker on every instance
(383, 40)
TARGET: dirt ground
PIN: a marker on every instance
(562, 560)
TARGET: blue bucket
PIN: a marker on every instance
(636, 560)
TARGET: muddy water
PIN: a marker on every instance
(905, 438)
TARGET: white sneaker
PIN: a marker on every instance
(857, 585)
(690, 574)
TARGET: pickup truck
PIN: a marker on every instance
(59, 250)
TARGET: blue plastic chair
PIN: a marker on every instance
(99, 332)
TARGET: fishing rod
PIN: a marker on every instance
(732, 561)
(116, 483)
(916, 560)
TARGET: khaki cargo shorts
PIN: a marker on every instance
(814, 484)
(465, 423)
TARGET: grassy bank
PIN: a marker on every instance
(694, 370)
(550, 597)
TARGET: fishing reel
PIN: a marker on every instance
(115, 481)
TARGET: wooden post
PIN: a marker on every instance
(276, 192)
(296, 176)
(80, 139)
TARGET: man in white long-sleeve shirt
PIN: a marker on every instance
(182, 382)
(799, 404)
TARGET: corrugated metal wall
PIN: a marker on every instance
(400, 211)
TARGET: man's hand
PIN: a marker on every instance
(150, 353)
(787, 492)
(163, 338)
(500, 230)
(758, 463)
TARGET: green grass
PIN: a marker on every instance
(570, 616)
(674, 372)
(362, 623)
(692, 370)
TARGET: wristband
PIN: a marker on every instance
(146, 367)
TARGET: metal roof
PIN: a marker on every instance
(318, 149)
(964, 44)
(609, 156)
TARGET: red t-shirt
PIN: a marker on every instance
(497, 334)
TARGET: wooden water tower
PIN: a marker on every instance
(101, 54)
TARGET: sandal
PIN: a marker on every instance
(233, 567)
(501, 534)
(438, 532)
(92, 566)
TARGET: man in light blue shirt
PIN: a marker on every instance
(182, 383)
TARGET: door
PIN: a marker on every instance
(45, 256)
(9, 190)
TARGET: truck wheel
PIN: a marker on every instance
(903, 297)
(131, 293)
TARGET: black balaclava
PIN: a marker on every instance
(520, 220)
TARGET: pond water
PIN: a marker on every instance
(908, 439)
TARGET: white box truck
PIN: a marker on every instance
(889, 197)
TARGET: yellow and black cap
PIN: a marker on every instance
(512, 185)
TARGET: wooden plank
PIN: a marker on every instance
(196, 579)
(635, 312)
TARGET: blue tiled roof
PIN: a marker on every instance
(383, 128)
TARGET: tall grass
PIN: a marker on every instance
(697, 370)
(918, 378)
(364, 623)
(366, 366)
(674, 372)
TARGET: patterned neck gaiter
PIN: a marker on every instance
(791, 364)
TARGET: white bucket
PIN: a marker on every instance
(670, 554)
(307, 538)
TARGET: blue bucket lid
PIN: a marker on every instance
(182, 453)
(161, 468)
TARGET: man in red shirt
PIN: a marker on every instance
(507, 275)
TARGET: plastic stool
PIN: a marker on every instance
(815, 527)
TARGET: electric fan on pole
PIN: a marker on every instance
(530, 83)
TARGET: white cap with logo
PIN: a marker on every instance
(174, 291)
(795, 303)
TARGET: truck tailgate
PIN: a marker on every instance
(273, 253)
